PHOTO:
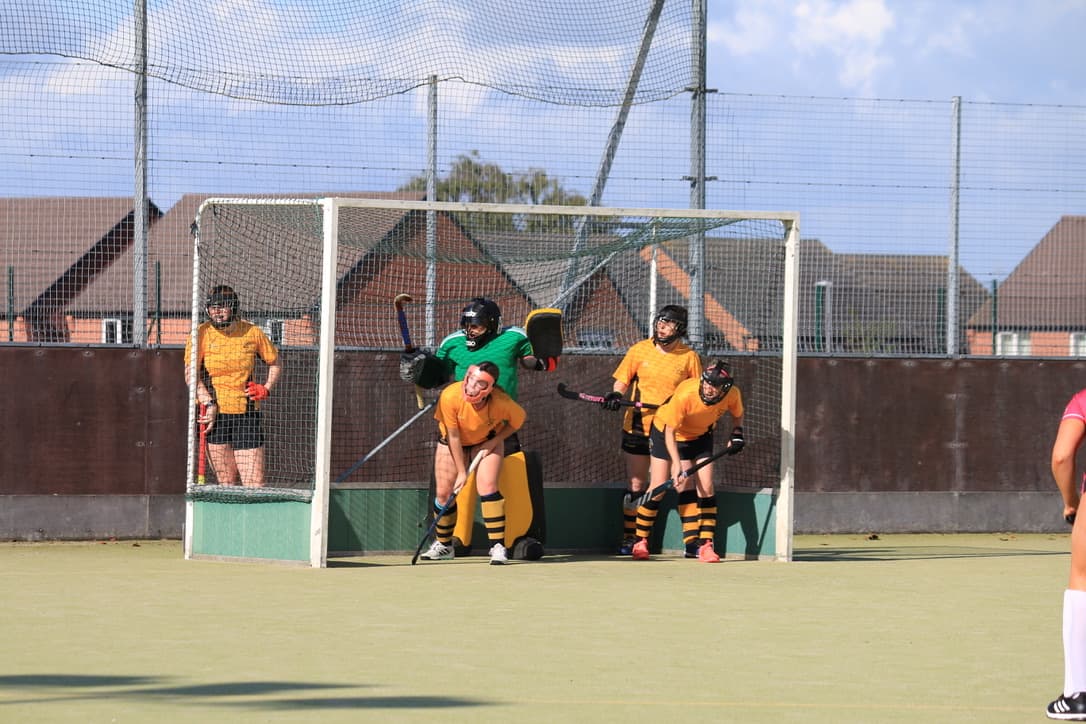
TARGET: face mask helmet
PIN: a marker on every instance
(670, 313)
(486, 372)
(484, 313)
(717, 377)
(222, 296)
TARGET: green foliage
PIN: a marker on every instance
(472, 181)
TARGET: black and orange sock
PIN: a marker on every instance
(493, 506)
(707, 518)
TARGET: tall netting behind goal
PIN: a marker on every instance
(607, 270)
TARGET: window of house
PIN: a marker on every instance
(274, 329)
(116, 331)
(1012, 344)
(1078, 344)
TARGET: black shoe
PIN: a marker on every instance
(627, 547)
(1068, 708)
(692, 549)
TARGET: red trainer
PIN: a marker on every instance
(641, 549)
(706, 554)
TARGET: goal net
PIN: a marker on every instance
(320, 276)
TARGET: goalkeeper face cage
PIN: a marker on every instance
(483, 313)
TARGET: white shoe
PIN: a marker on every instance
(439, 552)
(497, 555)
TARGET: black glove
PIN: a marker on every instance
(411, 364)
(611, 400)
(546, 364)
(736, 442)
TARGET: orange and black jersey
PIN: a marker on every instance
(229, 357)
(652, 376)
(476, 426)
(691, 417)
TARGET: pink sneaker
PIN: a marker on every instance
(706, 554)
(641, 550)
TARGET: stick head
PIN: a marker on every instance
(400, 300)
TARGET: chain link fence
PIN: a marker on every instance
(930, 227)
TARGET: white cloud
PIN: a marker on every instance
(844, 39)
(754, 28)
(852, 33)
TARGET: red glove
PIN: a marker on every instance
(256, 391)
(546, 364)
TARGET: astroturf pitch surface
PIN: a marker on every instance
(902, 628)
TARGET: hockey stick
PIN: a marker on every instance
(201, 454)
(384, 442)
(405, 335)
(445, 508)
(599, 399)
(670, 482)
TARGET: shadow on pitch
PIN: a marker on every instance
(912, 553)
(61, 688)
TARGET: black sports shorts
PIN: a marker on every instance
(241, 432)
(635, 444)
(701, 447)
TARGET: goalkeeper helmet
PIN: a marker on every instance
(225, 297)
(716, 380)
(484, 313)
(670, 313)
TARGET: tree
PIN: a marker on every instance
(471, 180)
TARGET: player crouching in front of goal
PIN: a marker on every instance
(473, 415)
(682, 437)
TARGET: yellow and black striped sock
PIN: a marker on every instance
(446, 524)
(493, 506)
(707, 518)
(629, 514)
(689, 515)
(646, 517)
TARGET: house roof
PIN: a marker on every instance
(43, 238)
(170, 245)
(873, 295)
(899, 293)
(1047, 290)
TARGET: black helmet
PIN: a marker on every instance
(718, 376)
(485, 313)
(223, 296)
(671, 313)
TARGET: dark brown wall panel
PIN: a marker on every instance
(112, 420)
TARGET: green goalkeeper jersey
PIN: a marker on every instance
(505, 350)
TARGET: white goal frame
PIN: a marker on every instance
(331, 207)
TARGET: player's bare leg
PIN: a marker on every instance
(224, 464)
(250, 464)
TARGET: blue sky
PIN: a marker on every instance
(986, 50)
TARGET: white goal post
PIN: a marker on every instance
(323, 272)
